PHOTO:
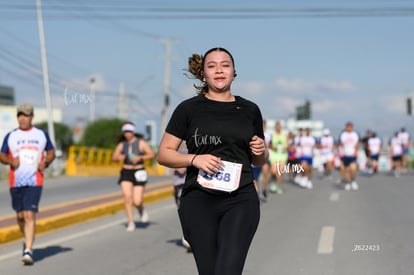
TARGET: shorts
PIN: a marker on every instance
(178, 189)
(129, 175)
(26, 198)
(293, 162)
(348, 160)
(374, 157)
(308, 160)
(278, 157)
(405, 151)
(396, 158)
(256, 172)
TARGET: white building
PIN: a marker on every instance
(292, 125)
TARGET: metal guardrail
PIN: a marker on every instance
(89, 161)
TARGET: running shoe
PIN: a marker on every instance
(279, 190)
(144, 216)
(303, 182)
(27, 257)
(186, 244)
(273, 187)
(347, 187)
(354, 185)
(297, 179)
(396, 174)
(131, 227)
(262, 198)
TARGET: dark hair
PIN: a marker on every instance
(220, 50)
(196, 66)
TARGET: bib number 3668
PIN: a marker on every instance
(226, 180)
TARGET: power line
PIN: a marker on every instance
(117, 11)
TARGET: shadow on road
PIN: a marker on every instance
(42, 253)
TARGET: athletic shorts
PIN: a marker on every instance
(397, 158)
(256, 172)
(308, 160)
(348, 160)
(26, 198)
(293, 161)
(278, 157)
(129, 175)
(374, 157)
(178, 189)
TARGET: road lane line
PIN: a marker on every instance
(326, 240)
(82, 233)
(334, 196)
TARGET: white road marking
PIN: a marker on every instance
(81, 234)
(326, 240)
(334, 196)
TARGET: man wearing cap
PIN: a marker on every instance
(28, 151)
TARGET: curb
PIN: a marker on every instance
(12, 233)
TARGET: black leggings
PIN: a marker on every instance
(220, 228)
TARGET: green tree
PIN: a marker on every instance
(102, 133)
(63, 134)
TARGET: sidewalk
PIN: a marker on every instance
(77, 211)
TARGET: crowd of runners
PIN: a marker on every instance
(296, 156)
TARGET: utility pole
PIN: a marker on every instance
(45, 72)
(409, 104)
(92, 103)
(164, 110)
(123, 103)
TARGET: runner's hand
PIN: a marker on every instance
(257, 146)
(208, 163)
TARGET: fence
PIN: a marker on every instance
(86, 161)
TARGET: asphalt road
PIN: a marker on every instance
(63, 189)
(325, 230)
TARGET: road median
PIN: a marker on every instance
(70, 213)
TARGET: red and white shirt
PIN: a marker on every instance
(349, 142)
(396, 146)
(29, 145)
(374, 145)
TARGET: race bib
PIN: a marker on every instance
(226, 180)
(28, 156)
(141, 175)
(307, 151)
(349, 150)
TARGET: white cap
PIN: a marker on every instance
(326, 132)
(128, 127)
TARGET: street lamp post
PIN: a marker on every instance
(45, 72)
(92, 103)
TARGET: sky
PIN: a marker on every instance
(351, 59)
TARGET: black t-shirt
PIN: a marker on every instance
(223, 129)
